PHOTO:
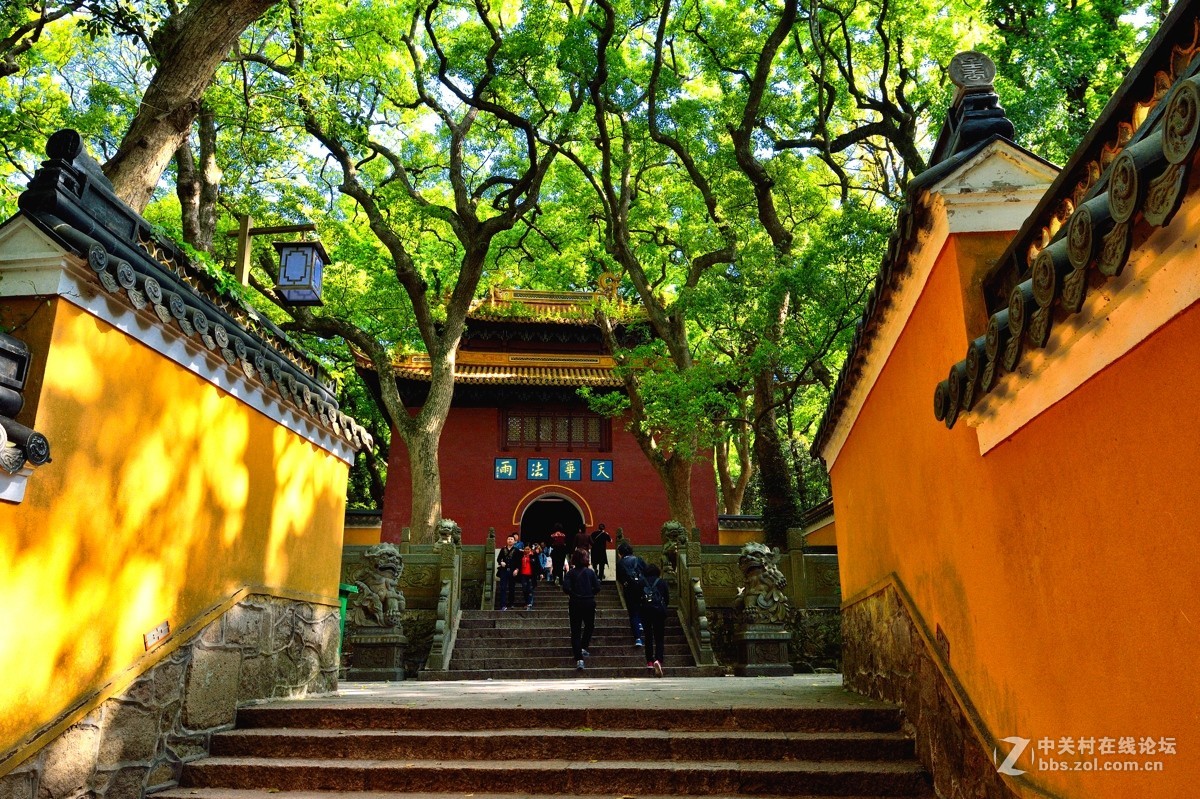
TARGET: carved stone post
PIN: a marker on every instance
(445, 629)
(375, 633)
(763, 611)
(489, 571)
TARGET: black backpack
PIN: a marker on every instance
(634, 579)
(652, 599)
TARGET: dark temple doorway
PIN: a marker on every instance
(543, 514)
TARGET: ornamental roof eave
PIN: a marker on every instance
(905, 246)
(530, 306)
(1132, 170)
(71, 202)
(519, 369)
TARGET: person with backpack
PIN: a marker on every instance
(581, 586)
(655, 599)
(631, 577)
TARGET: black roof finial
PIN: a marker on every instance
(976, 113)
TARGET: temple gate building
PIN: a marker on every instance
(521, 450)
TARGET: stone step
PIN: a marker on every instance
(516, 648)
(274, 793)
(550, 636)
(687, 719)
(558, 616)
(540, 674)
(541, 744)
(875, 778)
(595, 662)
(526, 620)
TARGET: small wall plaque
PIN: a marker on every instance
(157, 634)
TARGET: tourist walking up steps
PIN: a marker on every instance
(656, 598)
(600, 541)
(631, 577)
(582, 543)
(581, 585)
(558, 554)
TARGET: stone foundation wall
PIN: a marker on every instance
(884, 656)
(138, 741)
(816, 645)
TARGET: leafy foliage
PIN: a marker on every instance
(736, 166)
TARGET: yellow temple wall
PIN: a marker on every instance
(167, 499)
(1052, 579)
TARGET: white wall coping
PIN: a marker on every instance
(994, 191)
(33, 264)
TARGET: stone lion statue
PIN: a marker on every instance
(674, 538)
(379, 599)
(761, 599)
(448, 534)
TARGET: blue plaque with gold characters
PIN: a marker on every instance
(602, 471)
(537, 469)
(506, 468)
(570, 469)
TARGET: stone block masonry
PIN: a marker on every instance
(137, 741)
(885, 657)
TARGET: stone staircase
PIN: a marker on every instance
(519, 644)
(306, 750)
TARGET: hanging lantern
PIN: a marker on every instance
(301, 267)
(14, 362)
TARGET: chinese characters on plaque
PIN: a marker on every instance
(569, 469)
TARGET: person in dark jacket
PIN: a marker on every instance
(558, 554)
(600, 541)
(582, 543)
(506, 569)
(581, 585)
(631, 576)
(654, 616)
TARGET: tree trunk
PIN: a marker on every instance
(676, 474)
(426, 478)
(190, 46)
(733, 492)
(210, 179)
(423, 437)
(780, 508)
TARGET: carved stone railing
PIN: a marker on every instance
(487, 595)
(445, 628)
(682, 555)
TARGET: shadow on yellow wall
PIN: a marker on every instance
(165, 497)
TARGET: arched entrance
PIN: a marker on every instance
(545, 513)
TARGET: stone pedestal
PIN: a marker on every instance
(762, 650)
(376, 656)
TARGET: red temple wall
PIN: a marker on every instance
(472, 497)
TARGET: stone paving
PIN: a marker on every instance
(800, 691)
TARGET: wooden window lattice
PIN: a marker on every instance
(551, 430)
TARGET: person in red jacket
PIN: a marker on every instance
(527, 571)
